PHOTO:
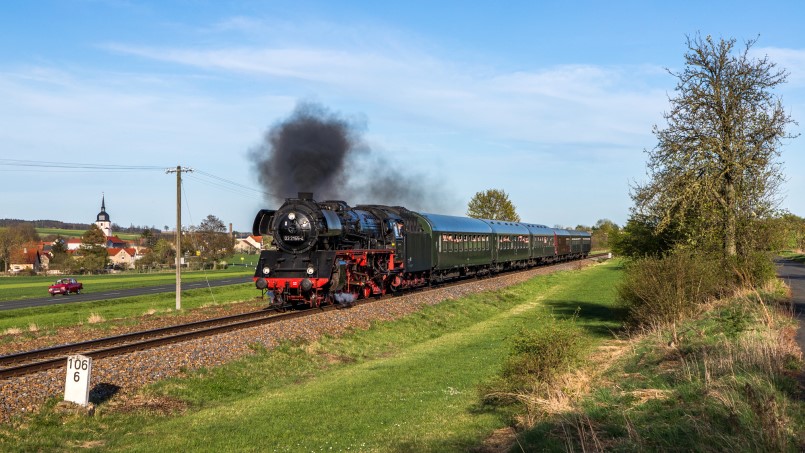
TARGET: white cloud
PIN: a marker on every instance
(579, 103)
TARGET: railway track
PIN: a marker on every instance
(28, 362)
(53, 357)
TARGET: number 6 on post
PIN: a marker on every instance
(76, 383)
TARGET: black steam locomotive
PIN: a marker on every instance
(329, 252)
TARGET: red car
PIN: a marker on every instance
(65, 286)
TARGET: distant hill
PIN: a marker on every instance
(46, 224)
(57, 224)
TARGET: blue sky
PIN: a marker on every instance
(467, 95)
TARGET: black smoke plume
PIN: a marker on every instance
(315, 150)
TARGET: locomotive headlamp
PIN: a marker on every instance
(266, 270)
(291, 216)
(310, 270)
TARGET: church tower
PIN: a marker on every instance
(102, 220)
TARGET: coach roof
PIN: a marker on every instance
(452, 224)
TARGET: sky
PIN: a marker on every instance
(552, 102)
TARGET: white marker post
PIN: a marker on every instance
(76, 384)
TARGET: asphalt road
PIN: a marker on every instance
(87, 295)
(793, 274)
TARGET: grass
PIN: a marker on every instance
(725, 379)
(78, 233)
(77, 313)
(798, 257)
(406, 385)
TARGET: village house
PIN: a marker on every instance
(28, 259)
(251, 244)
(123, 258)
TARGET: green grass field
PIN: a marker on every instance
(27, 287)
(407, 385)
(128, 308)
(78, 233)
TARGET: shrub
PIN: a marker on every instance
(541, 355)
(658, 291)
(753, 270)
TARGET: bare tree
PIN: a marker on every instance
(13, 238)
(715, 166)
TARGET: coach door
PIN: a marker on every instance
(418, 243)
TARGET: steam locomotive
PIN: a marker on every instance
(328, 252)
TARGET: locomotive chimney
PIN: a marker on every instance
(306, 195)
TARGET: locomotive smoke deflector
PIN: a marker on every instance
(262, 222)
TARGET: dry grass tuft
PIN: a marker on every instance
(559, 396)
(33, 327)
(95, 318)
(13, 331)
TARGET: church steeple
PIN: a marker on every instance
(102, 220)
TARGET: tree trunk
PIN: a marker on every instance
(730, 221)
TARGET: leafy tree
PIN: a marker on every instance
(604, 232)
(783, 232)
(13, 238)
(162, 252)
(641, 237)
(94, 256)
(212, 241)
(493, 204)
(149, 237)
(59, 254)
(715, 166)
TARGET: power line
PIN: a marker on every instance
(48, 165)
(71, 167)
(223, 182)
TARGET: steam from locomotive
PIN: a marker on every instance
(318, 151)
(309, 151)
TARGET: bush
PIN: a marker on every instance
(541, 355)
(753, 270)
(659, 291)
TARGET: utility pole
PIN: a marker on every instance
(178, 172)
